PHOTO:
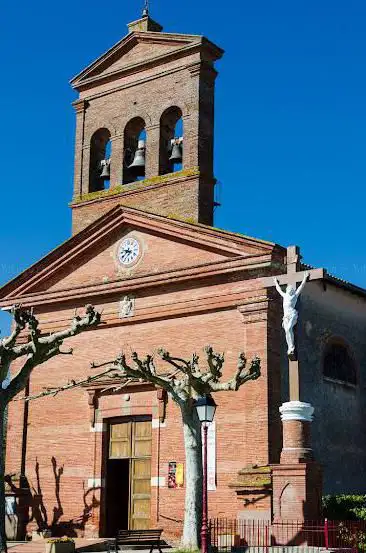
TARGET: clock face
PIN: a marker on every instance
(128, 251)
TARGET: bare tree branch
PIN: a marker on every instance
(70, 385)
(143, 371)
(215, 363)
(192, 378)
(179, 364)
(241, 376)
(37, 350)
(41, 349)
(187, 380)
(20, 319)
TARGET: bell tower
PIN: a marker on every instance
(145, 127)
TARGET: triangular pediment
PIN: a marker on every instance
(142, 51)
(138, 50)
(92, 258)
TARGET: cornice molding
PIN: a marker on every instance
(254, 310)
(80, 105)
(173, 309)
(106, 388)
(236, 247)
(191, 43)
(138, 188)
(143, 80)
(138, 67)
(260, 263)
(202, 68)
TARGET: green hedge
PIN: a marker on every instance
(344, 507)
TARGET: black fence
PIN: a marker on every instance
(259, 535)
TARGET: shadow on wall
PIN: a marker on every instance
(37, 512)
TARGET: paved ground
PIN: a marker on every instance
(37, 546)
(92, 545)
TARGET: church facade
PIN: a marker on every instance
(144, 252)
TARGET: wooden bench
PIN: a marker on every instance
(138, 537)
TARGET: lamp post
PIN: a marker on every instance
(206, 408)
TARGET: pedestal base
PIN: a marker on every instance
(297, 491)
(297, 480)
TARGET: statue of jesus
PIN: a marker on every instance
(290, 314)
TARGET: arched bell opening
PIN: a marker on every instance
(100, 160)
(171, 141)
(134, 150)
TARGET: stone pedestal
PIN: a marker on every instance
(297, 491)
(296, 417)
(297, 480)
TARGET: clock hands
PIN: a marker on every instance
(127, 254)
(129, 251)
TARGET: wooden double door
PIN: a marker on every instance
(129, 475)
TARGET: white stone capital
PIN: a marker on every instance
(296, 411)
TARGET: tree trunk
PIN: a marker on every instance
(193, 499)
(3, 546)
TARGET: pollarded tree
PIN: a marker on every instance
(185, 382)
(37, 350)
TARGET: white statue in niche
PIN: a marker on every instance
(290, 314)
(127, 307)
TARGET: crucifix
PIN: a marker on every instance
(293, 275)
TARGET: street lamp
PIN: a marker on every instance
(206, 408)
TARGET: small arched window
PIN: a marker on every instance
(171, 141)
(100, 160)
(134, 150)
(338, 363)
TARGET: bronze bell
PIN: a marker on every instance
(138, 164)
(176, 155)
(106, 169)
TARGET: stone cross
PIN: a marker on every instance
(293, 276)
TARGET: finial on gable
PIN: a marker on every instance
(145, 11)
(145, 23)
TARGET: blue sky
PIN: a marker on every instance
(290, 119)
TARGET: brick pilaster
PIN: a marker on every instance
(80, 107)
(152, 151)
(116, 160)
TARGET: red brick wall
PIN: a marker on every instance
(185, 81)
(60, 426)
(157, 254)
(175, 199)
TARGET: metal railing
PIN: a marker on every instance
(258, 536)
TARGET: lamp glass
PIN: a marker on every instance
(206, 408)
